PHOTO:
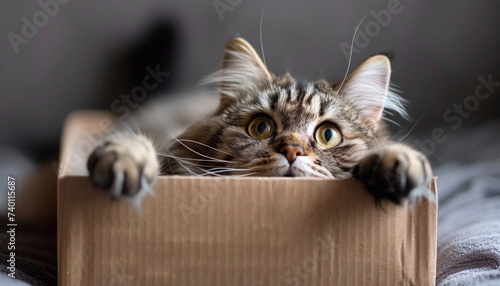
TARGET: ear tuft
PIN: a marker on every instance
(238, 50)
(242, 72)
(368, 88)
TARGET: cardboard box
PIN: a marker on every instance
(235, 231)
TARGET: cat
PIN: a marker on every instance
(268, 125)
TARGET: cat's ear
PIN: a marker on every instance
(367, 87)
(242, 72)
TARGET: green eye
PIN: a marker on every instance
(261, 128)
(328, 136)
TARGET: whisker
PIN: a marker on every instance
(192, 159)
(215, 172)
(180, 162)
(197, 153)
(187, 169)
(244, 175)
(260, 31)
(350, 53)
(231, 176)
(411, 129)
(392, 121)
(212, 171)
(229, 169)
(205, 145)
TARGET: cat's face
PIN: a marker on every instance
(293, 129)
(276, 126)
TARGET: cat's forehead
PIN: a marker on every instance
(296, 104)
(303, 97)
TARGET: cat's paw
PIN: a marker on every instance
(395, 172)
(123, 166)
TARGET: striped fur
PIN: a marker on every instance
(221, 143)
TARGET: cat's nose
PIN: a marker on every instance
(291, 151)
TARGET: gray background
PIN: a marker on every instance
(440, 48)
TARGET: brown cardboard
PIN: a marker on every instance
(237, 231)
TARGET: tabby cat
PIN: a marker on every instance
(268, 125)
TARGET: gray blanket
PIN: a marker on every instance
(469, 209)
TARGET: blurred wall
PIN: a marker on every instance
(440, 47)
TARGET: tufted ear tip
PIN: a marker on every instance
(242, 72)
(367, 87)
(237, 47)
(236, 44)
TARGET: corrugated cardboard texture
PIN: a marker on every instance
(240, 231)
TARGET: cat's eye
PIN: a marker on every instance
(261, 128)
(328, 135)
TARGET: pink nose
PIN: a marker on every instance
(292, 151)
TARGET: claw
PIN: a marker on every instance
(400, 176)
(116, 189)
(374, 170)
